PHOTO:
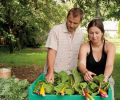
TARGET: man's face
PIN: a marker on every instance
(72, 23)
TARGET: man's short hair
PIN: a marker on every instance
(76, 12)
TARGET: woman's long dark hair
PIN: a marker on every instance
(98, 23)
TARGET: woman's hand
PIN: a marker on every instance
(88, 75)
(50, 77)
(106, 78)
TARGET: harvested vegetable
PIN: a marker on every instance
(73, 84)
(62, 92)
(87, 95)
(42, 90)
(103, 93)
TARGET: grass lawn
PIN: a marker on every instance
(116, 76)
(30, 56)
(23, 57)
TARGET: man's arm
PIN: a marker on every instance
(50, 63)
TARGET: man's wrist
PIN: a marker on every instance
(50, 70)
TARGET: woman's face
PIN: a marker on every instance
(95, 35)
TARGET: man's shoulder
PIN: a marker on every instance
(80, 29)
(59, 26)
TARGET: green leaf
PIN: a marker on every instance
(71, 79)
(83, 85)
(77, 75)
(10, 89)
(69, 91)
(49, 88)
(98, 78)
(77, 88)
(59, 87)
(63, 76)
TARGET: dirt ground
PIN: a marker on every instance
(30, 73)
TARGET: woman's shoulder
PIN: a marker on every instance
(85, 45)
(85, 48)
(109, 45)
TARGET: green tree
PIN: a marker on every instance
(30, 20)
(114, 11)
(106, 9)
(119, 28)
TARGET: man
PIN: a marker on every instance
(63, 44)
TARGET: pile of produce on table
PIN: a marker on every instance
(73, 84)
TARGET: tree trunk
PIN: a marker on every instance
(97, 8)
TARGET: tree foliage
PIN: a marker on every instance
(105, 9)
(30, 20)
(119, 28)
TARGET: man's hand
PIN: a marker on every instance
(50, 77)
(50, 63)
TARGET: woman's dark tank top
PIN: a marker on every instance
(92, 65)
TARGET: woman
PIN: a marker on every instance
(97, 55)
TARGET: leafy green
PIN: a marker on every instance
(63, 76)
(77, 75)
(71, 79)
(69, 91)
(13, 89)
(59, 87)
(98, 79)
(49, 88)
(71, 84)
(92, 88)
(78, 89)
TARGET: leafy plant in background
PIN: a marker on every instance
(13, 89)
(10, 38)
(11, 41)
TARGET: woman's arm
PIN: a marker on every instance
(110, 50)
(82, 58)
(84, 49)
